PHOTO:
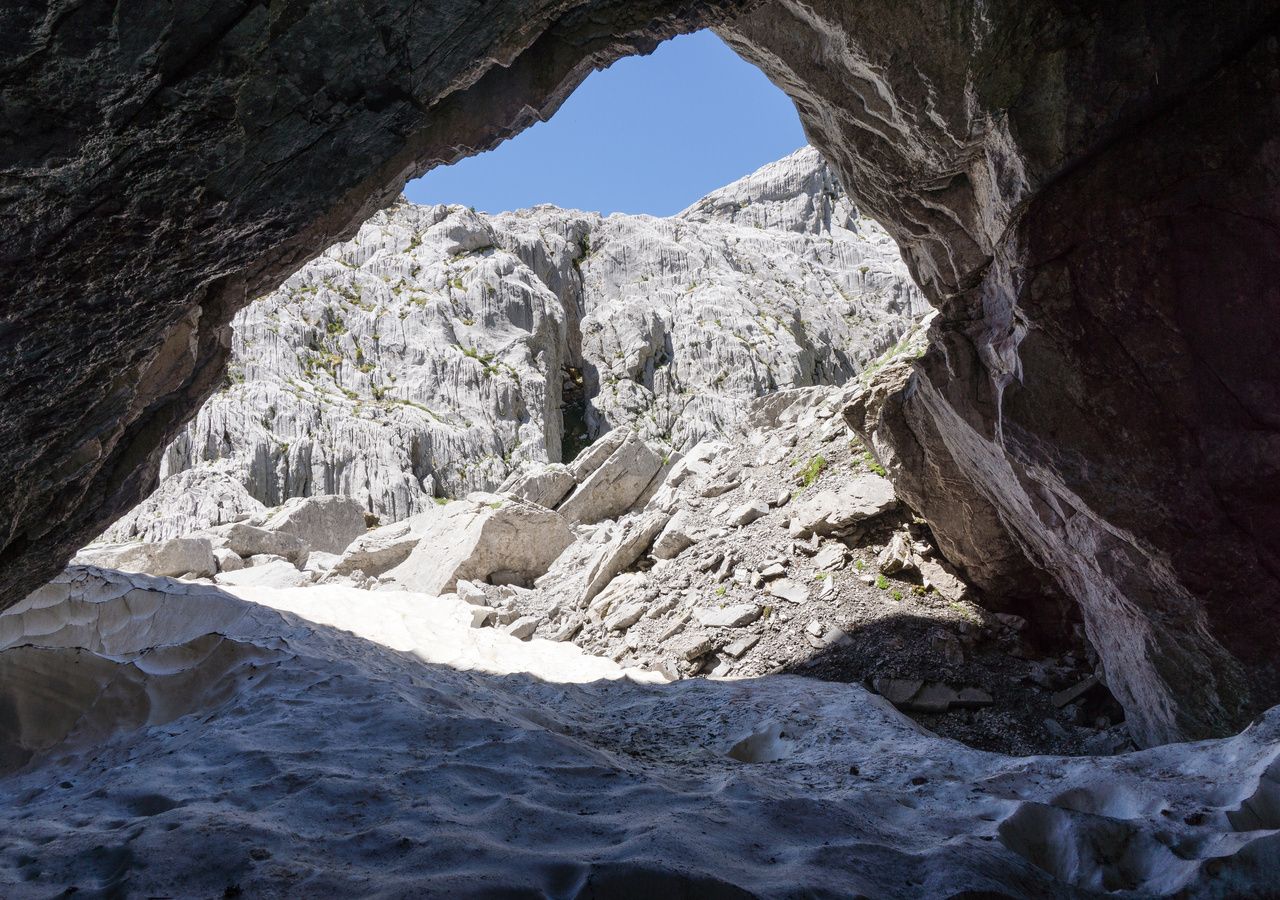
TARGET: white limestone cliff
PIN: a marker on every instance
(442, 349)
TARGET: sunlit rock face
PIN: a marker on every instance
(166, 164)
(1088, 194)
(426, 357)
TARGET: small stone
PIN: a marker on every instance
(1010, 621)
(782, 498)
(815, 628)
(773, 570)
(567, 631)
(831, 558)
(668, 668)
(742, 645)
(674, 628)
(942, 578)
(626, 616)
(1076, 691)
(710, 562)
(675, 538)
(973, 698)
(786, 589)
(228, 560)
(897, 691)
(506, 616)
(726, 567)
(735, 616)
(1055, 730)
(662, 607)
(933, 698)
(471, 592)
(749, 512)
(692, 646)
(897, 556)
(719, 667)
(524, 627)
(480, 616)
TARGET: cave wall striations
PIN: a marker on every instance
(1088, 193)
(1092, 202)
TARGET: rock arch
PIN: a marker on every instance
(1089, 194)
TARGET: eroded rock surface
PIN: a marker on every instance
(429, 356)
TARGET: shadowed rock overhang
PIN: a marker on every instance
(1087, 193)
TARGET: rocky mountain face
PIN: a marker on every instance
(440, 349)
(776, 545)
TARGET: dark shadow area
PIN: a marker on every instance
(343, 767)
(986, 688)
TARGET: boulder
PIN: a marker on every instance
(675, 538)
(248, 540)
(830, 558)
(325, 522)
(748, 513)
(543, 485)
(626, 616)
(227, 560)
(897, 556)
(178, 556)
(474, 538)
(615, 485)
(833, 510)
(380, 549)
(589, 566)
(593, 456)
(522, 628)
(277, 574)
(943, 579)
(319, 562)
(739, 647)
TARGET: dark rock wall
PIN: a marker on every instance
(1087, 191)
(1089, 194)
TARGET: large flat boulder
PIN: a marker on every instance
(591, 564)
(383, 548)
(834, 510)
(325, 522)
(615, 484)
(248, 540)
(476, 538)
(179, 556)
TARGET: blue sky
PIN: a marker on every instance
(647, 135)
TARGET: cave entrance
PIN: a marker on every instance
(455, 344)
